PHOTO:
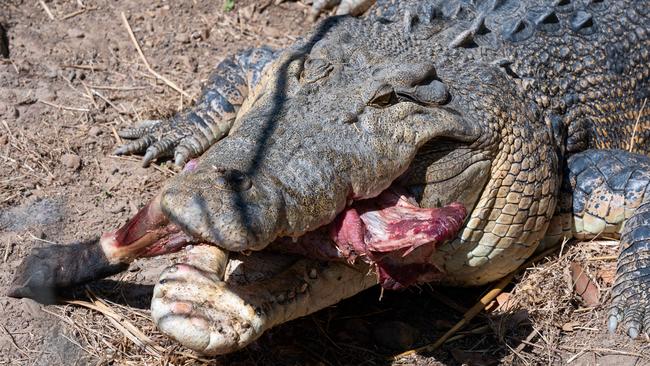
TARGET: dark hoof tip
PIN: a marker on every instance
(33, 280)
(42, 295)
(50, 271)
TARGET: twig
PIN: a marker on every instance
(479, 330)
(636, 125)
(170, 83)
(85, 67)
(517, 354)
(95, 92)
(64, 107)
(605, 350)
(89, 95)
(118, 139)
(122, 88)
(75, 13)
(13, 341)
(603, 258)
(39, 239)
(6, 256)
(76, 344)
(325, 334)
(572, 358)
(477, 308)
(159, 168)
(11, 135)
(47, 9)
(129, 330)
(12, 63)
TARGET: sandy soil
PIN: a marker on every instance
(74, 77)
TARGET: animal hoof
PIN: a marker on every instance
(47, 270)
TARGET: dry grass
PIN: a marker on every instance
(561, 328)
(540, 321)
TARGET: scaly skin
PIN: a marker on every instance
(487, 104)
(189, 134)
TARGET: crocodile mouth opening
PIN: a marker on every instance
(390, 232)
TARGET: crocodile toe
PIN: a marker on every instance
(631, 311)
(199, 310)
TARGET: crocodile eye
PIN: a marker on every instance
(315, 69)
(384, 96)
(434, 93)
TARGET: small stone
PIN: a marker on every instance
(45, 93)
(24, 67)
(71, 161)
(395, 335)
(75, 33)
(95, 131)
(4, 140)
(182, 38)
(272, 32)
(52, 72)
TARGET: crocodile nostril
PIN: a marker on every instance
(233, 180)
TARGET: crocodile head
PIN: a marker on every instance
(360, 107)
(335, 122)
(353, 111)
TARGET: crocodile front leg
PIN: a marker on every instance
(191, 132)
(611, 196)
(214, 315)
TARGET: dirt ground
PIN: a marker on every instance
(73, 77)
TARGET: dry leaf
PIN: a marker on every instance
(505, 301)
(607, 274)
(584, 286)
(570, 326)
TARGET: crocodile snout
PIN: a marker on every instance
(225, 206)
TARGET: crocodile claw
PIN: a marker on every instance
(632, 313)
(156, 139)
(352, 7)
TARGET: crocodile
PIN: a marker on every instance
(425, 141)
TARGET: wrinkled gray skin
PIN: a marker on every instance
(278, 148)
(478, 104)
(485, 104)
(338, 121)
